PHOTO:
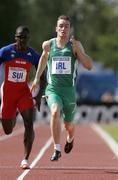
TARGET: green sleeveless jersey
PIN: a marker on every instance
(61, 65)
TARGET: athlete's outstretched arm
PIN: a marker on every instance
(43, 84)
(42, 64)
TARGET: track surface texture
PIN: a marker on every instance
(90, 158)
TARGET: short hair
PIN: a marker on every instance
(64, 17)
(23, 28)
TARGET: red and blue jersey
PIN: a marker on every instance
(17, 65)
(15, 92)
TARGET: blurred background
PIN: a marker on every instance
(95, 24)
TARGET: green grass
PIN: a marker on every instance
(112, 129)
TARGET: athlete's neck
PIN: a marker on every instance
(61, 42)
(21, 48)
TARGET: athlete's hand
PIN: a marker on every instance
(74, 43)
(34, 86)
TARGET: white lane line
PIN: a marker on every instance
(81, 168)
(39, 156)
(68, 168)
(113, 145)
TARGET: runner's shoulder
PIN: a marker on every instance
(46, 44)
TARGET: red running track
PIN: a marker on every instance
(90, 159)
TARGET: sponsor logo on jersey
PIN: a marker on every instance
(20, 62)
(29, 54)
(13, 53)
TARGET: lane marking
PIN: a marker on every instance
(39, 156)
(113, 145)
(71, 168)
(77, 168)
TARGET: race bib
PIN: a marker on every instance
(16, 74)
(61, 65)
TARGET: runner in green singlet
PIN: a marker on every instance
(60, 55)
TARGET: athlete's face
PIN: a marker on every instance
(21, 38)
(63, 28)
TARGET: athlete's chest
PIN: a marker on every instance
(16, 70)
(66, 51)
(61, 60)
(13, 57)
(19, 63)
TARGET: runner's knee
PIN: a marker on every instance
(69, 126)
(55, 111)
(7, 126)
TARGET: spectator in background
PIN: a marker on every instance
(18, 58)
(107, 97)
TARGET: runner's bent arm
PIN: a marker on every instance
(81, 56)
